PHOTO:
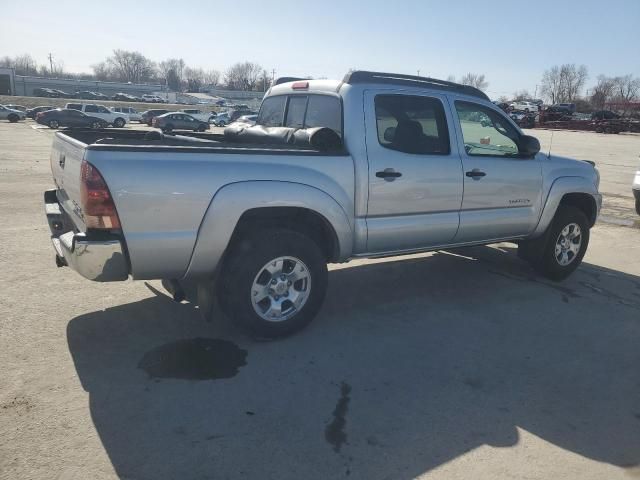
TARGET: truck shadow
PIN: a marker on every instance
(411, 364)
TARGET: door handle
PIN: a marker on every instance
(389, 174)
(476, 174)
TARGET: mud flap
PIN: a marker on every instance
(206, 299)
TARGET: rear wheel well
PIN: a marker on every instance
(302, 220)
(583, 201)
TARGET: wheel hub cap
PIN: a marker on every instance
(280, 289)
(568, 244)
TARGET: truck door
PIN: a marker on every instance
(415, 172)
(502, 191)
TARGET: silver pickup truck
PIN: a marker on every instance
(418, 164)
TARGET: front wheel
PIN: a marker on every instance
(53, 124)
(95, 125)
(273, 283)
(566, 244)
(638, 205)
(13, 118)
(118, 123)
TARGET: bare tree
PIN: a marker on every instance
(131, 66)
(563, 83)
(522, 95)
(451, 78)
(242, 76)
(602, 92)
(22, 64)
(171, 72)
(474, 80)
(625, 91)
(194, 78)
(212, 77)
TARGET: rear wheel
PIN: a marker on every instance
(118, 122)
(201, 128)
(53, 124)
(95, 125)
(168, 128)
(564, 244)
(13, 118)
(638, 205)
(273, 283)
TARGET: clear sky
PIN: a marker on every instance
(511, 42)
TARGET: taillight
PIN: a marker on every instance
(38, 115)
(97, 203)
(154, 121)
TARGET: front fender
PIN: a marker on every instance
(559, 188)
(232, 200)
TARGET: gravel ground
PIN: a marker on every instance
(448, 365)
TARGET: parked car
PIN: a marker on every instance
(568, 108)
(523, 119)
(12, 115)
(116, 119)
(197, 114)
(125, 97)
(268, 218)
(62, 94)
(12, 106)
(523, 106)
(68, 117)
(88, 95)
(604, 115)
(152, 99)
(245, 120)
(178, 121)
(45, 92)
(32, 112)
(239, 112)
(147, 116)
(221, 119)
(635, 188)
(503, 106)
(131, 113)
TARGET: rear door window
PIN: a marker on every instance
(91, 109)
(412, 124)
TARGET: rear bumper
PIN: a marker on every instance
(97, 257)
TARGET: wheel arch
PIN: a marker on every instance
(237, 207)
(575, 191)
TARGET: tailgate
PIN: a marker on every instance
(66, 160)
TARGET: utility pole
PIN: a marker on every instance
(418, 72)
(51, 63)
(273, 76)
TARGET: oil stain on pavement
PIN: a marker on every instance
(334, 433)
(194, 359)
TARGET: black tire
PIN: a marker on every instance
(53, 124)
(13, 118)
(638, 206)
(546, 262)
(96, 125)
(201, 128)
(118, 123)
(245, 261)
(168, 128)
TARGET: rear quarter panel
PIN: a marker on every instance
(162, 196)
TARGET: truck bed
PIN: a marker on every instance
(138, 140)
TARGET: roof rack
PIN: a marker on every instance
(280, 80)
(363, 76)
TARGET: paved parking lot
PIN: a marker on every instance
(448, 365)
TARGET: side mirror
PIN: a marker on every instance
(528, 146)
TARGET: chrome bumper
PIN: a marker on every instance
(101, 259)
